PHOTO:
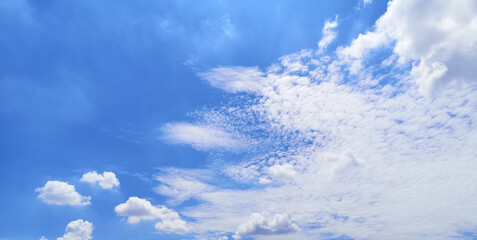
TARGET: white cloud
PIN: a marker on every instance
(78, 230)
(107, 180)
(266, 224)
(328, 34)
(202, 137)
(283, 172)
(173, 225)
(137, 209)
(61, 193)
(439, 36)
(182, 185)
(370, 157)
(234, 79)
(43, 238)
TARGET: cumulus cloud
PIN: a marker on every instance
(61, 193)
(328, 34)
(202, 137)
(78, 230)
(138, 209)
(266, 224)
(439, 36)
(107, 180)
(234, 79)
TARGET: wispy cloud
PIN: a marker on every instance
(328, 34)
(234, 79)
(202, 137)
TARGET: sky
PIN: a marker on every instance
(331, 120)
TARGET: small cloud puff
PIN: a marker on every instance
(78, 230)
(138, 209)
(61, 193)
(266, 224)
(107, 180)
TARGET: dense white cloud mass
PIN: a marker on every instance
(266, 224)
(234, 79)
(350, 146)
(328, 34)
(78, 230)
(61, 193)
(202, 137)
(441, 36)
(137, 209)
(107, 180)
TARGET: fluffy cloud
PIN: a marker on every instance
(328, 34)
(137, 209)
(266, 224)
(61, 193)
(234, 79)
(173, 225)
(283, 172)
(202, 137)
(441, 37)
(78, 230)
(107, 180)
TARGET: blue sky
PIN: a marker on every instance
(238, 119)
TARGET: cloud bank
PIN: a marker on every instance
(350, 145)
